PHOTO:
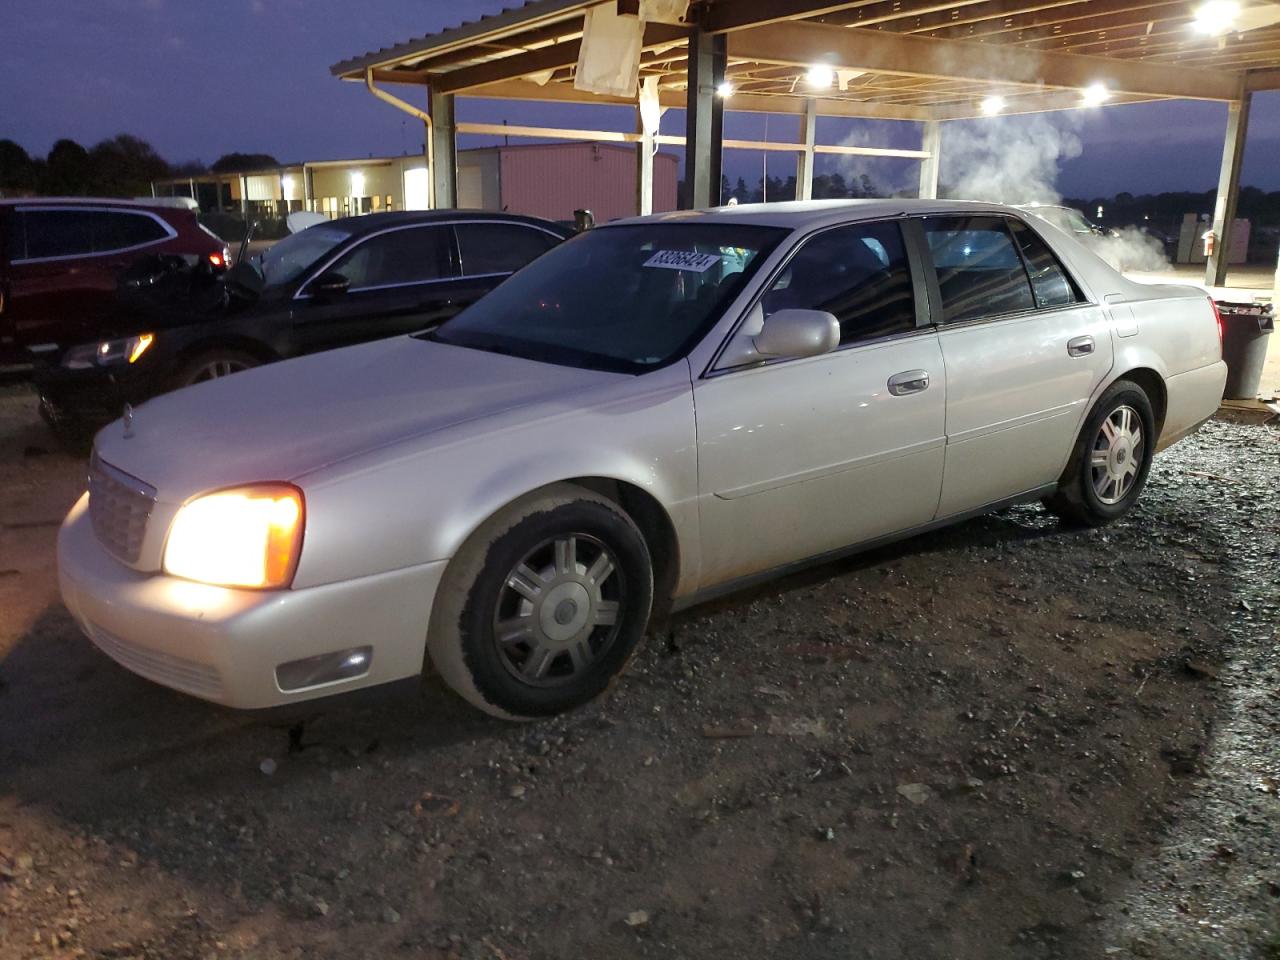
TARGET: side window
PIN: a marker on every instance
(1049, 282)
(120, 231)
(980, 272)
(414, 255)
(499, 247)
(15, 238)
(58, 233)
(859, 273)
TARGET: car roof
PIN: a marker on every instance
(84, 202)
(368, 222)
(796, 214)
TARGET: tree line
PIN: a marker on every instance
(120, 166)
(1260, 206)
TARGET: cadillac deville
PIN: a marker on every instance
(656, 411)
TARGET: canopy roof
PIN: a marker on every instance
(895, 59)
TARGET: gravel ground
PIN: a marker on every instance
(1006, 739)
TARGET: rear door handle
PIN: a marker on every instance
(1080, 346)
(909, 381)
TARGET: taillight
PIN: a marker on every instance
(217, 260)
(1217, 315)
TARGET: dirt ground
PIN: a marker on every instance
(1007, 739)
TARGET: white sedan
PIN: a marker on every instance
(659, 410)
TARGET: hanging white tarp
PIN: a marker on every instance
(609, 60)
(663, 11)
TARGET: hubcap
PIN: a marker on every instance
(559, 610)
(1117, 455)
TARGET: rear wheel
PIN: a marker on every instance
(542, 608)
(213, 365)
(1111, 459)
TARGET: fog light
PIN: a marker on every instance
(326, 668)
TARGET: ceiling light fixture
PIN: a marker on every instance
(992, 105)
(725, 89)
(820, 75)
(1215, 17)
(1095, 95)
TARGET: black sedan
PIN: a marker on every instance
(334, 284)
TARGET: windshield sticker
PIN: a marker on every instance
(683, 260)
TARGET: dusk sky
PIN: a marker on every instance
(200, 80)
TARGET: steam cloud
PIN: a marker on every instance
(1007, 159)
(1017, 160)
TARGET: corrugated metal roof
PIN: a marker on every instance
(468, 31)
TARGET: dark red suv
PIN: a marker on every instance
(61, 262)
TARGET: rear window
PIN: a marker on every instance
(980, 271)
(1049, 281)
(75, 233)
(57, 233)
(119, 231)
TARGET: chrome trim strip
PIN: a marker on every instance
(124, 479)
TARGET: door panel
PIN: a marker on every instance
(1015, 401)
(1017, 386)
(808, 456)
(401, 281)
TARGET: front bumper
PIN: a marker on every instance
(224, 644)
(93, 396)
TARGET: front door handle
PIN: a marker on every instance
(909, 381)
(1080, 346)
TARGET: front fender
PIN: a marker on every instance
(418, 502)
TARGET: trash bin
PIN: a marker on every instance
(1245, 329)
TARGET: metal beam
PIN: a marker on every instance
(668, 139)
(971, 109)
(516, 20)
(1014, 17)
(877, 51)
(723, 17)
(554, 57)
(804, 163)
(1224, 207)
(930, 142)
(747, 102)
(644, 169)
(1262, 79)
(704, 114)
(444, 151)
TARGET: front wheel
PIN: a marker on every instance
(1111, 459)
(543, 606)
(213, 364)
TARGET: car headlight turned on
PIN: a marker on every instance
(108, 353)
(245, 537)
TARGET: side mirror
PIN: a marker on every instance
(329, 285)
(797, 333)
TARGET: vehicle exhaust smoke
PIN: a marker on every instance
(1018, 160)
(1007, 159)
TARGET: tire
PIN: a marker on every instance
(543, 606)
(212, 364)
(1111, 459)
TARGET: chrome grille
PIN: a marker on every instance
(119, 508)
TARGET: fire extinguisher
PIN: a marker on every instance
(1210, 240)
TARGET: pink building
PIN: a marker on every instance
(553, 179)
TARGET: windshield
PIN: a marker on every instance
(627, 298)
(285, 260)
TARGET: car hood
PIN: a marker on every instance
(282, 421)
